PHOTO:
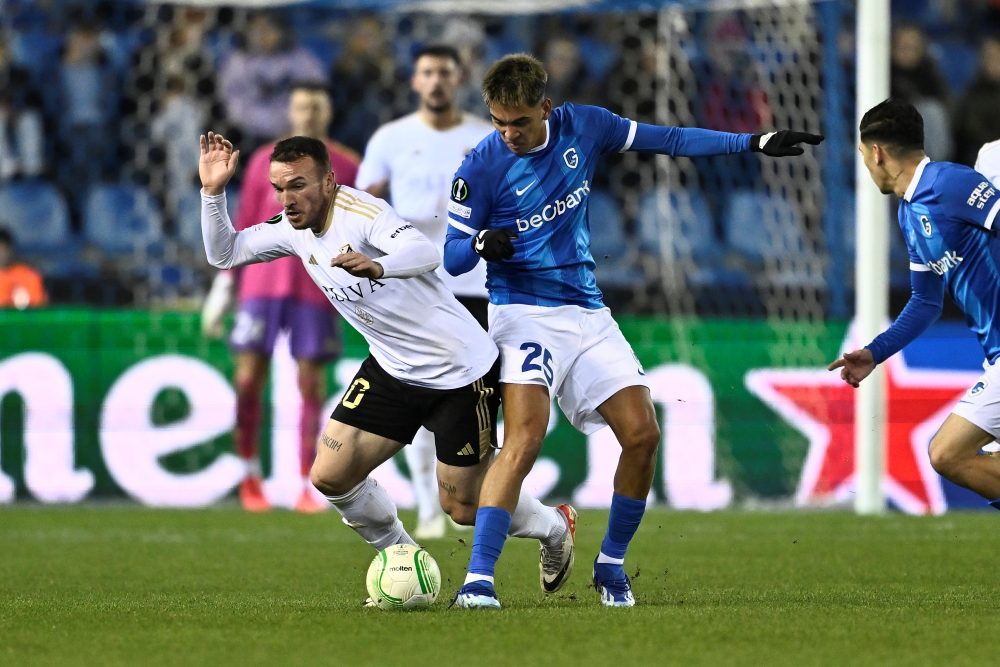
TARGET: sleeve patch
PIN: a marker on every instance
(459, 209)
(459, 190)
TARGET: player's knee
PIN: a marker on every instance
(248, 388)
(643, 440)
(520, 451)
(946, 459)
(464, 514)
(309, 386)
(519, 461)
(331, 482)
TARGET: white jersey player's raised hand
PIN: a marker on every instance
(217, 163)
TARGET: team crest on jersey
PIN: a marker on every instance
(924, 218)
(459, 189)
(926, 227)
(571, 159)
(977, 388)
(364, 315)
(274, 219)
(346, 248)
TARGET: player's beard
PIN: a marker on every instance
(439, 107)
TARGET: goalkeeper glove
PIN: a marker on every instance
(494, 245)
(782, 143)
(218, 301)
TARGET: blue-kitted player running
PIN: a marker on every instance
(947, 213)
(519, 201)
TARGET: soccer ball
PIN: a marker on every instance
(403, 576)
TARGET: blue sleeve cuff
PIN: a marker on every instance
(459, 257)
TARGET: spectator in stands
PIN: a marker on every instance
(364, 75)
(22, 147)
(915, 77)
(733, 99)
(279, 295)
(20, 285)
(181, 116)
(977, 116)
(255, 80)
(88, 137)
(569, 80)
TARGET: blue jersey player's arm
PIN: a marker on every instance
(687, 141)
(617, 134)
(468, 212)
(921, 311)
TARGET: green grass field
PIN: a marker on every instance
(128, 586)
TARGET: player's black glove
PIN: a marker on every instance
(782, 143)
(494, 245)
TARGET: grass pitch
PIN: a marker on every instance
(131, 586)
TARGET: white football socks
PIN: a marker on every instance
(533, 519)
(370, 512)
(421, 459)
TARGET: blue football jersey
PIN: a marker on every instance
(947, 216)
(542, 196)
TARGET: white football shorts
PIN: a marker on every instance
(981, 404)
(578, 353)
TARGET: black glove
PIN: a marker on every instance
(494, 245)
(782, 143)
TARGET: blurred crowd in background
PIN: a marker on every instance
(101, 104)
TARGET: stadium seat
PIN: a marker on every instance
(38, 50)
(187, 224)
(610, 246)
(959, 62)
(122, 218)
(769, 233)
(677, 227)
(38, 217)
(676, 224)
(37, 214)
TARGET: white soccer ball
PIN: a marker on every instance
(403, 576)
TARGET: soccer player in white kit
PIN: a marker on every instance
(431, 364)
(410, 162)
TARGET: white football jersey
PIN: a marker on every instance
(988, 161)
(415, 328)
(419, 163)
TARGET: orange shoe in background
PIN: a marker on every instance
(252, 495)
(309, 504)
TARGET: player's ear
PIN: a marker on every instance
(546, 108)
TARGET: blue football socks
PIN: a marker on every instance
(492, 524)
(626, 513)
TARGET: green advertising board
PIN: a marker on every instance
(111, 403)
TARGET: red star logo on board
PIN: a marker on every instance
(821, 405)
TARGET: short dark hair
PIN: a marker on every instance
(895, 125)
(438, 51)
(295, 148)
(515, 80)
(310, 86)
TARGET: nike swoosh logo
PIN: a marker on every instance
(521, 191)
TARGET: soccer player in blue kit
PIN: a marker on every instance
(947, 213)
(519, 201)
